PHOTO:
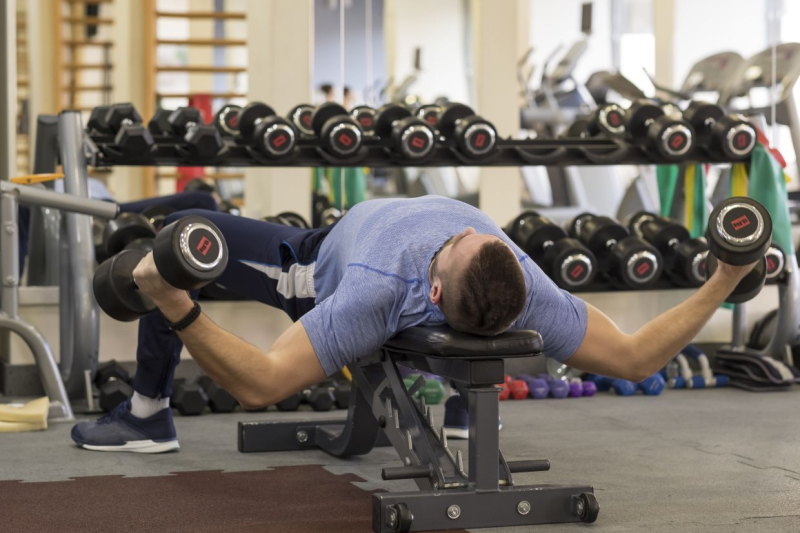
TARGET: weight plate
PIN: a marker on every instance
(125, 228)
(323, 113)
(250, 116)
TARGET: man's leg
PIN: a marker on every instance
(260, 256)
(179, 202)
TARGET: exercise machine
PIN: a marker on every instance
(449, 496)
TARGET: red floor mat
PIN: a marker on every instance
(297, 499)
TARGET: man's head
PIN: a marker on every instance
(477, 282)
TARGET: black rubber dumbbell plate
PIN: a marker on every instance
(115, 290)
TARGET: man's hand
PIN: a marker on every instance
(151, 284)
(734, 273)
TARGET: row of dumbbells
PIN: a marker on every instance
(266, 135)
(544, 386)
(634, 255)
(669, 132)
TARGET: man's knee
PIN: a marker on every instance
(200, 200)
(177, 215)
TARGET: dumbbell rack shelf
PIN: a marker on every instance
(170, 151)
(662, 284)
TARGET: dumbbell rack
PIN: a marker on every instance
(168, 151)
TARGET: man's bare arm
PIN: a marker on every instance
(254, 378)
(608, 351)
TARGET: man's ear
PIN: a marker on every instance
(436, 291)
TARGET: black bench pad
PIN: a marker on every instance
(443, 341)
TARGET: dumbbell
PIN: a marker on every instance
(96, 122)
(739, 233)
(654, 385)
(131, 137)
(728, 136)
(157, 214)
(473, 136)
(320, 397)
(519, 389)
(330, 216)
(537, 388)
(606, 119)
(647, 124)
(113, 382)
(189, 253)
(403, 133)
(227, 120)
(432, 389)
(260, 128)
(188, 398)
(684, 256)
(430, 114)
(342, 394)
(364, 115)
(120, 232)
(219, 400)
(159, 123)
(558, 387)
(291, 403)
(622, 387)
(339, 134)
(565, 260)
(776, 262)
(620, 255)
(300, 116)
(202, 141)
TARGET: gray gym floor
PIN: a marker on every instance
(713, 460)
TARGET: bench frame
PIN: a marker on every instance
(448, 497)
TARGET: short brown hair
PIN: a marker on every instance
(488, 295)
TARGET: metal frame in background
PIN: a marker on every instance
(10, 197)
(448, 496)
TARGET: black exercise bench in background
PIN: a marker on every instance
(449, 497)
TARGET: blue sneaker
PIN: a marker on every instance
(120, 431)
(456, 418)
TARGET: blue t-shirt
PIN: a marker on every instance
(371, 280)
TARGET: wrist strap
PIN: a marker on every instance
(186, 321)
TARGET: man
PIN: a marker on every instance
(386, 266)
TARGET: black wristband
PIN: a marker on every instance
(186, 321)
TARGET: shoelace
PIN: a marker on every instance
(115, 414)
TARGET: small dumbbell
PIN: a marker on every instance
(339, 134)
(219, 400)
(291, 403)
(159, 124)
(113, 382)
(300, 116)
(157, 214)
(364, 115)
(620, 255)
(408, 136)
(119, 232)
(606, 119)
(654, 385)
(646, 123)
(575, 388)
(430, 114)
(537, 388)
(227, 120)
(131, 137)
(96, 123)
(474, 136)
(728, 136)
(320, 397)
(558, 387)
(189, 253)
(505, 391)
(684, 257)
(776, 263)
(739, 233)
(565, 260)
(188, 398)
(519, 389)
(342, 394)
(622, 387)
(260, 128)
(202, 141)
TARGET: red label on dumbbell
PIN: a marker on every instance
(305, 118)
(576, 272)
(643, 268)
(478, 140)
(345, 140)
(772, 265)
(203, 245)
(677, 141)
(740, 223)
(418, 143)
(278, 140)
(232, 119)
(366, 120)
(430, 118)
(614, 118)
(742, 140)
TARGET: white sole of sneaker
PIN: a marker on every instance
(138, 446)
(457, 433)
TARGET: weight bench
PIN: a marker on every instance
(448, 497)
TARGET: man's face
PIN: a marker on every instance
(454, 256)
